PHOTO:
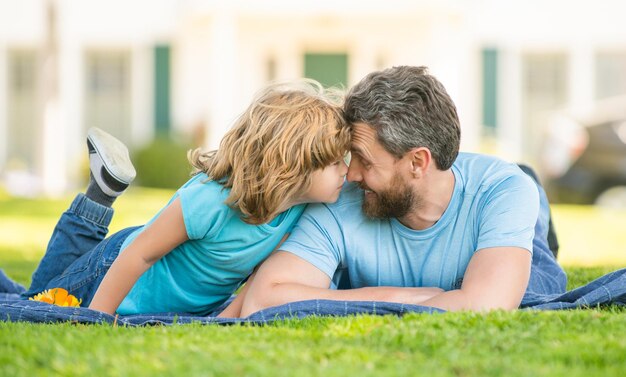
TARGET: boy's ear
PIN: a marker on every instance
(420, 161)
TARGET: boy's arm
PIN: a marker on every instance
(285, 277)
(156, 240)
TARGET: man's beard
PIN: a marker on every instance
(394, 202)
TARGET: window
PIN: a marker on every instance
(161, 105)
(107, 92)
(23, 110)
(544, 88)
(610, 74)
(490, 92)
(329, 69)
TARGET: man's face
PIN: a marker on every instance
(386, 192)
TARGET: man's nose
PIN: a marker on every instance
(354, 172)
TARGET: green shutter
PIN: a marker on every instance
(162, 119)
(490, 89)
(328, 69)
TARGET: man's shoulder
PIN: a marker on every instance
(479, 172)
(477, 163)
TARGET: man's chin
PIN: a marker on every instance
(369, 199)
(383, 207)
(371, 208)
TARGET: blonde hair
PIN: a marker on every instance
(266, 159)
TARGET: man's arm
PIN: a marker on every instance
(496, 278)
(498, 273)
(233, 310)
(285, 277)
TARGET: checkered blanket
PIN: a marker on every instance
(608, 289)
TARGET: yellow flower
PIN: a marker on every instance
(57, 296)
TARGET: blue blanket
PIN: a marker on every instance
(608, 289)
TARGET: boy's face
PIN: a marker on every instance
(326, 183)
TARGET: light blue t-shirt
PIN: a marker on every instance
(200, 274)
(494, 204)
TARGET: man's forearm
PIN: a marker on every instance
(259, 298)
(451, 300)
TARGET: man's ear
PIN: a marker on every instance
(420, 161)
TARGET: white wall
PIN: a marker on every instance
(220, 50)
(579, 28)
(415, 38)
(84, 24)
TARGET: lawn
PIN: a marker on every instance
(573, 343)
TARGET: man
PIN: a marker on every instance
(419, 223)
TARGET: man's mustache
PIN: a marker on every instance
(364, 187)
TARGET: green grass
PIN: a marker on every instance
(573, 343)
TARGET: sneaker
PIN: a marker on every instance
(109, 162)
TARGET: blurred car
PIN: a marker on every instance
(584, 160)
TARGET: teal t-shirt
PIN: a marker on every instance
(200, 274)
(494, 204)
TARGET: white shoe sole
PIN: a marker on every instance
(114, 155)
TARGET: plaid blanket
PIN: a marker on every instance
(608, 289)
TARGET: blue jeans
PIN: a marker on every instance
(546, 275)
(8, 286)
(78, 255)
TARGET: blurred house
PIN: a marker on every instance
(142, 68)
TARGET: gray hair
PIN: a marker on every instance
(409, 109)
